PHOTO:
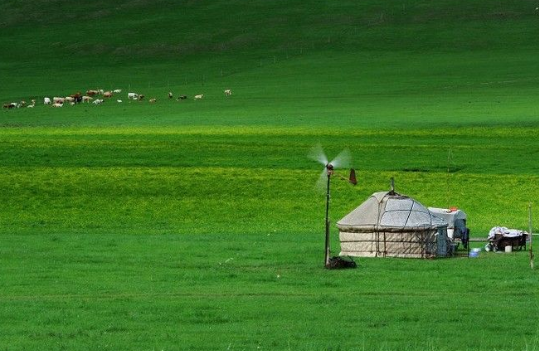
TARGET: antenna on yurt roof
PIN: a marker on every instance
(392, 183)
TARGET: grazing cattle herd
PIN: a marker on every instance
(96, 97)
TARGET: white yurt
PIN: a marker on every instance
(389, 224)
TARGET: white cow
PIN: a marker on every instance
(198, 97)
(47, 101)
(228, 92)
(87, 98)
(132, 96)
(117, 91)
(98, 101)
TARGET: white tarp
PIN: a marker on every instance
(505, 232)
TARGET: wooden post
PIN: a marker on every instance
(530, 228)
(449, 179)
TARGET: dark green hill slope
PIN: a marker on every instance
(421, 59)
(141, 31)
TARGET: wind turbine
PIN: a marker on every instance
(342, 160)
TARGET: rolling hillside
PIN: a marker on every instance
(284, 51)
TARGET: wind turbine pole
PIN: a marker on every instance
(329, 168)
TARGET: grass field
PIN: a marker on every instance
(195, 225)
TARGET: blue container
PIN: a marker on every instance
(475, 252)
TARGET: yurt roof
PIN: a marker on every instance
(390, 210)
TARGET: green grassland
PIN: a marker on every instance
(195, 225)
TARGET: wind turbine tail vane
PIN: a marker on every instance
(352, 179)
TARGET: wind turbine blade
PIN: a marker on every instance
(321, 183)
(342, 160)
(317, 154)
